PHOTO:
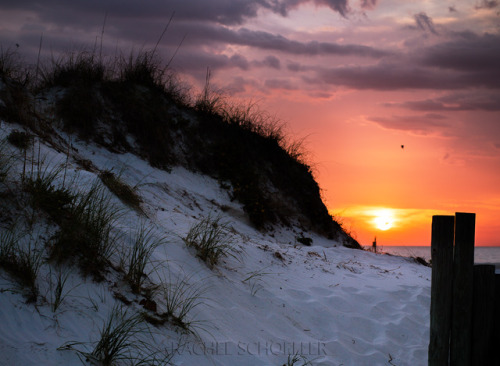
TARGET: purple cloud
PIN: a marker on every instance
(454, 102)
(280, 84)
(425, 23)
(389, 76)
(270, 61)
(467, 52)
(487, 4)
(368, 4)
(420, 124)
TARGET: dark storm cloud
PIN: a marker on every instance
(487, 4)
(399, 77)
(425, 23)
(465, 61)
(280, 84)
(221, 11)
(139, 31)
(454, 102)
(204, 34)
(284, 6)
(340, 6)
(386, 76)
(238, 85)
(422, 124)
(368, 4)
(196, 62)
(294, 66)
(266, 40)
(270, 61)
(468, 52)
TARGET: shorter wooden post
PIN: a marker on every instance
(482, 315)
(441, 289)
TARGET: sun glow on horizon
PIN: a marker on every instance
(383, 219)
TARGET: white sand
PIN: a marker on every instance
(329, 304)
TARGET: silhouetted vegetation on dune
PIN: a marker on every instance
(134, 104)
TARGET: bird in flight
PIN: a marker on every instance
(403, 147)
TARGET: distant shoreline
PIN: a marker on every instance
(483, 254)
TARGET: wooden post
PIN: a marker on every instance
(441, 289)
(483, 314)
(495, 345)
(461, 328)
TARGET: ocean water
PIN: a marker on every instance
(482, 255)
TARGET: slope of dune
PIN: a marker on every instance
(271, 301)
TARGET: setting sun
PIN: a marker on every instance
(383, 220)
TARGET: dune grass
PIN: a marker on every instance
(124, 339)
(60, 291)
(87, 232)
(6, 161)
(179, 297)
(297, 360)
(211, 240)
(123, 191)
(138, 256)
(20, 139)
(21, 260)
(46, 194)
(111, 99)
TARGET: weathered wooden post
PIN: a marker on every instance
(463, 263)
(441, 289)
(495, 340)
(483, 314)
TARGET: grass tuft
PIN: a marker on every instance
(87, 233)
(80, 107)
(180, 298)
(16, 102)
(255, 280)
(143, 69)
(211, 239)
(117, 337)
(12, 67)
(59, 292)
(22, 263)
(46, 194)
(20, 139)
(5, 161)
(75, 68)
(293, 360)
(139, 256)
(123, 191)
(122, 341)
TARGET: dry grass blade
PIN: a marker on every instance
(118, 337)
(180, 296)
(122, 190)
(22, 262)
(211, 239)
(145, 242)
(87, 234)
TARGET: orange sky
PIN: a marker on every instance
(362, 169)
(356, 78)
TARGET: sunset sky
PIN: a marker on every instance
(357, 80)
